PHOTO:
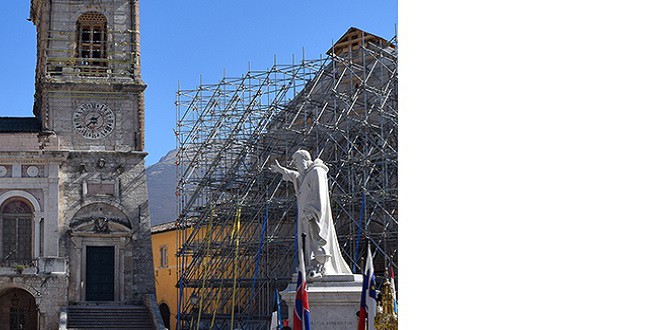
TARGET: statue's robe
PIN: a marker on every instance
(315, 219)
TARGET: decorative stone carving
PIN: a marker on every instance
(101, 218)
(101, 225)
(310, 181)
(32, 171)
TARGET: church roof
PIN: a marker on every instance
(354, 38)
(19, 125)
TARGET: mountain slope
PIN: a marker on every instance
(161, 186)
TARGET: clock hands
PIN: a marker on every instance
(92, 122)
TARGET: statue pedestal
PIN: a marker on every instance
(333, 301)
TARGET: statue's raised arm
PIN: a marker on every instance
(276, 168)
(310, 180)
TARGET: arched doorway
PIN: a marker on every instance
(102, 236)
(165, 314)
(17, 310)
(16, 232)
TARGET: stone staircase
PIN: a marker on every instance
(108, 316)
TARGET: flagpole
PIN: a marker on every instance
(303, 236)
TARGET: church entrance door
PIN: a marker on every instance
(99, 273)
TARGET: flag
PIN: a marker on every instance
(368, 295)
(278, 309)
(395, 300)
(301, 313)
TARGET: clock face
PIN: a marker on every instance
(93, 120)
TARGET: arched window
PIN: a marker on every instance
(92, 41)
(18, 310)
(165, 314)
(17, 232)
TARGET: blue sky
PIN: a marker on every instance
(185, 41)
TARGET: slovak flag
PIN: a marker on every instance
(301, 313)
(368, 296)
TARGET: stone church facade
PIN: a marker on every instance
(74, 219)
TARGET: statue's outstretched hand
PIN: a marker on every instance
(276, 168)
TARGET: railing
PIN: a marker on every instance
(117, 58)
(90, 67)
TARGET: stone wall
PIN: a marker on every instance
(126, 174)
(19, 141)
(62, 105)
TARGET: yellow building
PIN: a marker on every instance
(164, 245)
(165, 240)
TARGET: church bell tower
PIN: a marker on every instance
(89, 105)
(89, 90)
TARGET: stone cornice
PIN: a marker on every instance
(88, 86)
(33, 157)
(103, 153)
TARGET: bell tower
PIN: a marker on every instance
(88, 86)
(89, 106)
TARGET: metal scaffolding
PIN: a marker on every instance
(237, 219)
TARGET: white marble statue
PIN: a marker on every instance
(322, 251)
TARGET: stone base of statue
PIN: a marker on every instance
(333, 301)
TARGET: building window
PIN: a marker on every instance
(164, 256)
(165, 314)
(17, 232)
(92, 42)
